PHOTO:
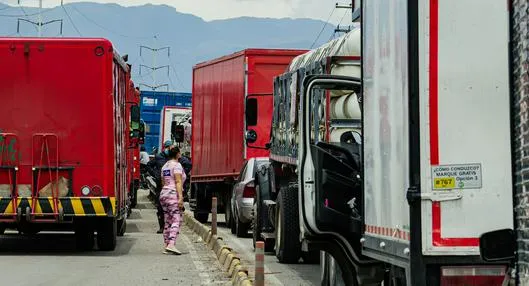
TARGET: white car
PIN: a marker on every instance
(243, 195)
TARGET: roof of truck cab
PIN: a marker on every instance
(251, 52)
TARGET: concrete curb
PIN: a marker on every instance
(230, 263)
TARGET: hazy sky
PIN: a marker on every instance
(221, 9)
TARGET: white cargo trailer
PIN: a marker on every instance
(172, 118)
(426, 196)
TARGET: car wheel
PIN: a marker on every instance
(233, 226)
(227, 212)
(241, 229)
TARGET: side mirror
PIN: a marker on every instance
(499, 245)
(177, 132)
(251, 136)
(251, 111)
(142, 133)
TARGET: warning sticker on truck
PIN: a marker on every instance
(465, 176)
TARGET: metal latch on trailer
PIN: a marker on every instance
(414, 195)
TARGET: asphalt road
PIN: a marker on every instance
(276, 274)
(51, 258)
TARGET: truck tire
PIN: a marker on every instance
(122, 226)
(134, 198)
(310, 257)
(396, 276)
(84, 239)
(107, 232)
(260, 215)
(288, 246)
(201, 217)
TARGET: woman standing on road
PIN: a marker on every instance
(172, 199)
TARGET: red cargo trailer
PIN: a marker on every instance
(224, 91)
(63, 138)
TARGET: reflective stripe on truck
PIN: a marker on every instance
(74, 206)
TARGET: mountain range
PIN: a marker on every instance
(190, 38)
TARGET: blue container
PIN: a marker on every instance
(151, 105)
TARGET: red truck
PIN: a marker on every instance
(133, 142)
(232, 112)
(63, 138)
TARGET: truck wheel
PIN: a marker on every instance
(288, 246)
(201, 217)
(134, 199)
(84, 239)
(331, 273)
(107, 232)
(30, 230)
(260, 215)
(122, 226)
(396, 276)
(256, 220)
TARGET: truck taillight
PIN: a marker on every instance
(473, 275)
(249, 191)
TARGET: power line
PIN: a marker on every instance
(176, 74)
(71, 21)
(343, 17)
(323, 29)
(105, 28)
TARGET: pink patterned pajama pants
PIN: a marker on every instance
(169, 202)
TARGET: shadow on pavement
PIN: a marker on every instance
(56, 244)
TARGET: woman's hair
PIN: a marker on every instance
(173, 152)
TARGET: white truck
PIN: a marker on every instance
(424, 196)
(173, 119)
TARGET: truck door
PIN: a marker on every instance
(330, 176)
(258, 114)
(330, 171)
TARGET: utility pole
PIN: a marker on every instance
(355, 9)
(154, 68)
(39, 24)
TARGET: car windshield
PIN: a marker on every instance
(263, 162)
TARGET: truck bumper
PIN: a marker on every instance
(71, 206)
